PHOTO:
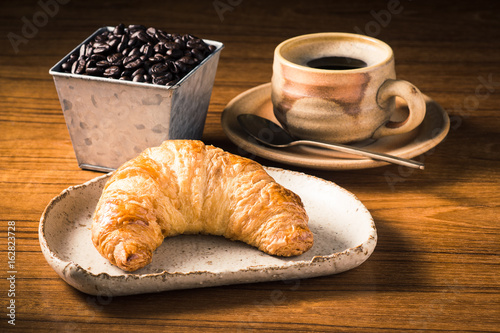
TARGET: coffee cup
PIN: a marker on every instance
(340, 88)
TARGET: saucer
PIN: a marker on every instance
(257, 100)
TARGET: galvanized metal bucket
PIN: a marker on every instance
(111, 121)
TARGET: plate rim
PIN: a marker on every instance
(328, 163)
(71, 271)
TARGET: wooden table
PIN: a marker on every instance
(436, 264)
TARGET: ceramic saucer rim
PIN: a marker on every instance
(287, 156)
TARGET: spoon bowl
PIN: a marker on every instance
(273, 135)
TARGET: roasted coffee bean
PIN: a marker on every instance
(156, 59)
(100, 38)
(160, 48)
(174, 53)
(118, 63)
(142, 36)
(113, 71)
(194, 43)
(147, 50)
(73, 67)
(97, 57)
(159, 56)
(134, 27)
(181, 67)
(130, 58)
(172, 45)
(151, 31)
(115, 57)
(78, 67)
(126, 51)
(158, 68)
(139, 71)
(90, 63)
(126, 78)
(132, 42)
(124, 39)
(167, 74)
(181, 43)
(133, 64)
(136, 51)
(66, 66)
(82, 50)
(100, 44)
(174, 69)
(120, 47)
(103, 63)
(88, 50)
(95, 71)
(197, 54)
(162, 79)
(152, 60)
(138, 78)
(127, 72)
(162, 36)
(119, 29)
(81, 64)
(113, 43)
(187, 37)
(187, 60)
(102, 50)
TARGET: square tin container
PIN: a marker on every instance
(111, 121)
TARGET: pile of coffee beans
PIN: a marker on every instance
(139, 54)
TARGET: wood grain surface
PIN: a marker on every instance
(436, 264)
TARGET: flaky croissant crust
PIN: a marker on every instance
(187, 187)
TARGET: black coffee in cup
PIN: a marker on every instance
(336, 63)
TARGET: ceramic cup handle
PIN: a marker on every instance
(416, 104)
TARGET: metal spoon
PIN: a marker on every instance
(269, 133)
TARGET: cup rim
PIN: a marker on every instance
(375, 41)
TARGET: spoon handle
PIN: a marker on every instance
(363, 152)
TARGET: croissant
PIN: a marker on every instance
(187, 187)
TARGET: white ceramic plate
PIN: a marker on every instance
(344, 237)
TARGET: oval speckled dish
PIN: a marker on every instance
(344, 237)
